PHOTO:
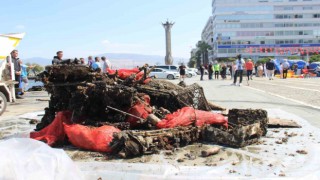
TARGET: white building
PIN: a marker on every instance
(258, 28)
(207, 36)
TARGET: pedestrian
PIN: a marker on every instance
(82, 61)
(17, 72)
(90, 61)
(260, 70)
(223, 71)
(238, 70)
(182, 71)
(210, 71)
(24, 76)
(231, 70)
(201, 71)
(249, 68)
(256, 69)
(281, 70)
(58, 58)
(96, 66)
(216, 68)
(270, 69)
(106, 65)
(285, 66)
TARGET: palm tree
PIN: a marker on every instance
(203, 48)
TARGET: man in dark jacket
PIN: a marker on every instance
(17, 72)
(270, 68)
(57, 59)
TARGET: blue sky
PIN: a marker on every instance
(81, 27)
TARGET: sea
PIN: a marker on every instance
(33, 83)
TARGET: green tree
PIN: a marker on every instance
(192, 62)
(314, 58)
(203, 48)
(294, 57)
(35, 67)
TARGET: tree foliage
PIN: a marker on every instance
(35, 67)
(203, 48)
(314, 58)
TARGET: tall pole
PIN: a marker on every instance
(167, 26)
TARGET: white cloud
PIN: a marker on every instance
(20, 26)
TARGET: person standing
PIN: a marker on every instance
(58, 58)
(82, 61)
(17, 72)
(223, 72)
(256, 69)
(96, 66)
(216, 68)
(210, 71)
(238, 70)
(105, 64)
(249, 68)
(285, 67)
(90, 61)
(182, 71)
(201, 71)
(231, 70)
(24, 75)
(270, 68)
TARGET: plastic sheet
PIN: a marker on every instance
(30, 159)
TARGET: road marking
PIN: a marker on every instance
(289, 86)
(277, 95)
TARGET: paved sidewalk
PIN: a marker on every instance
(283, 94)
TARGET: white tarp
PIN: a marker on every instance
(27, 159)
(265, 160)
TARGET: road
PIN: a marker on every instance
(297, 96)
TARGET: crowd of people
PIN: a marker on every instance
(99, 64)
(236, 69)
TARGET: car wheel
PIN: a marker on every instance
(3, 103)
(189, 75)
(170, 76)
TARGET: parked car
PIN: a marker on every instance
(190, 73)
(169, 67)
(164, 74)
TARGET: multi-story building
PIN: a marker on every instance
(207, 36)
(258, 28)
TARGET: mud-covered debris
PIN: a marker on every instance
(232, 171)
(282, 123)
(97, 99)
(290, 134)
(278, 142)
(302, 152)
(180, 160)
(33, 121)
(282, 174)
(245, 128)
(210, 152)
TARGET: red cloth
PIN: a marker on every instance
(93, 139)
(124, 73)
(188, 116)
(54, 132)
(140, 109)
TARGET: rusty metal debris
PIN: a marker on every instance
(104, 99)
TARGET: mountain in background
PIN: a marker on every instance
(118, 60)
